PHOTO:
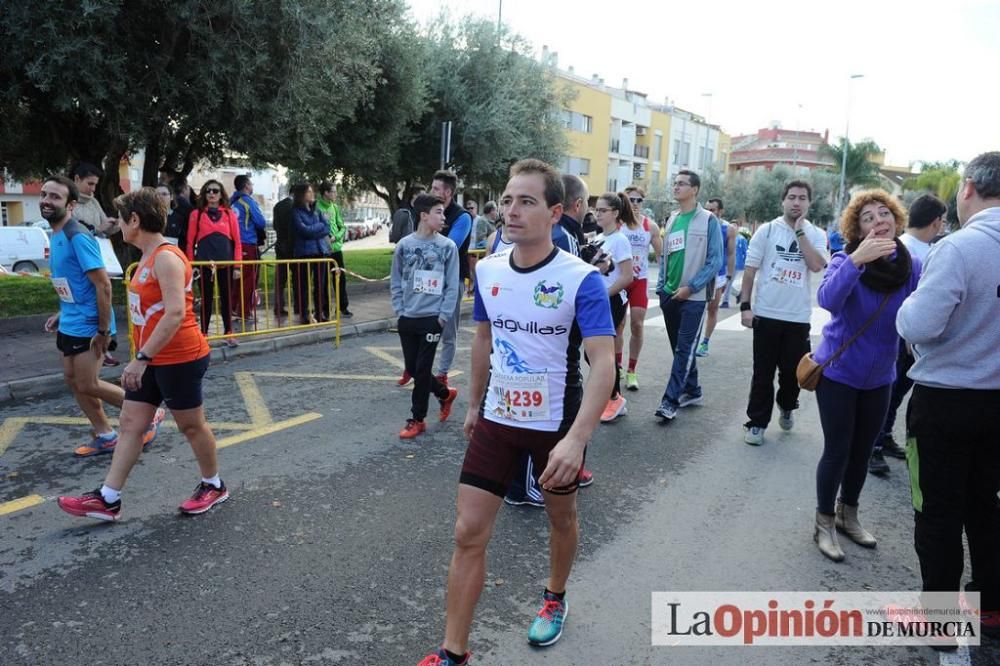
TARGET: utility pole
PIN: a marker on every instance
(445, 143)
(847, 134)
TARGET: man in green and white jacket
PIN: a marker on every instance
(338, 232)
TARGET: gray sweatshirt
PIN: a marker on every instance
(425, 281)
(953, 318)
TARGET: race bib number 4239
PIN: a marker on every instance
(522, 397)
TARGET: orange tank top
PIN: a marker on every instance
(145, 306)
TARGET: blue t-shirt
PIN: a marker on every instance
(538, 317)
(742, 245)
(75, 253)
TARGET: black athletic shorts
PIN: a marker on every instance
(491, 461)
(71, 346)
(178, 385)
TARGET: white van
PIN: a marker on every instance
(24, 249)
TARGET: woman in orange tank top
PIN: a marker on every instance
(169, 365)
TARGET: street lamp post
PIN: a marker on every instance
(847, 134)
(704, 152)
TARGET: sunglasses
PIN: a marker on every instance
(213, 190)
(636, 200)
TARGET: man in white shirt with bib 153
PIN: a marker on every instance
(784, 251)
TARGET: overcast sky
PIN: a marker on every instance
(931, 86)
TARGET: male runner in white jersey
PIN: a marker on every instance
(533, 304)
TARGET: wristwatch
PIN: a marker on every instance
(744, 307)
(141, 356)
(106, 334)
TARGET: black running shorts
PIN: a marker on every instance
(177, 385)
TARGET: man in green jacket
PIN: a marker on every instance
(338, 231)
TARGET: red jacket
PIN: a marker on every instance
(200, 225)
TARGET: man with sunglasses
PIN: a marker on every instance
(691, 258)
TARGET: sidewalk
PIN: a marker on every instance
(31, 366)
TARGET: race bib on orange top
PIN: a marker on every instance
(135, 309)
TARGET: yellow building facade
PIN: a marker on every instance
(616, 137)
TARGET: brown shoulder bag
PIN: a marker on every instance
(809, 371)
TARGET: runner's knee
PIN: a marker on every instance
(471, 534)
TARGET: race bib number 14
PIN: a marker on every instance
(428, 282)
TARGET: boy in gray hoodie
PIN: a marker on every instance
(953, 322)
(425, 291)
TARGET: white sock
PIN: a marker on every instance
(110, 495)
(215, 481)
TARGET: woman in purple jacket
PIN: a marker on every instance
(853, 395)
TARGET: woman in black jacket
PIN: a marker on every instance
(311, 236)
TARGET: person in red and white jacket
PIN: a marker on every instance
(214, 235)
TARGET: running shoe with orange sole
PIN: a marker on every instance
(412, 429)
(614, 409)
(447, 403)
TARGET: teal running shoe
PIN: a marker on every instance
(547, 627)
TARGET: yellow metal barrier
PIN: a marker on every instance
(265, 295)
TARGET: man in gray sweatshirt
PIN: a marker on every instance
(425, 290)
(953, 322)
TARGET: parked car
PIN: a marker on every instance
(24, 249)
(40, 224)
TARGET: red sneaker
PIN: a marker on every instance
(204, 498)
(91, 505)
(154, 428)
(440, 658)
(447, 403)
(443, 378)
(405, 379)
(585, 479)
(412, 429)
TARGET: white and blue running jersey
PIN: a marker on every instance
(538, 317)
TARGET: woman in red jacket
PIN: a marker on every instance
(214, 235)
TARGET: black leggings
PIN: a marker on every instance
(221, 276)
(852, 419)
(618, 309)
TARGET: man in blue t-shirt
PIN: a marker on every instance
(86, 320)
(533, 306)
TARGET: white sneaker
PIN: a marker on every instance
(786, 420)
(753, 436)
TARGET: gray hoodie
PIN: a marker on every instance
(953, 318)
(424, 280)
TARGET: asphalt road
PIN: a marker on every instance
(335, 545)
